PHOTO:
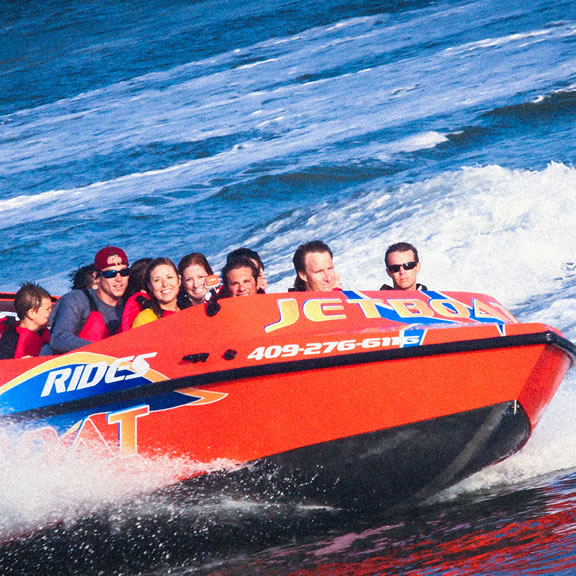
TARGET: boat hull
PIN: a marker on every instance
(382, 471)
(365, 412)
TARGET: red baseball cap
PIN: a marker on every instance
(101, 258)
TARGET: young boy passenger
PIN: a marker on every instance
(28, 336)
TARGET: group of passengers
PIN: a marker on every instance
(109, 296)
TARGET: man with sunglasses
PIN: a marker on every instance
(85, 316)
(402, 265)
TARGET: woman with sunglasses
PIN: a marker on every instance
(403, 266)
(162, 284)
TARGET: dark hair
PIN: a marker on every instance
(83, 277)
(299, 285)
(299, 259)
(194, 258)
(137, 278)
(234, 264)
(300, 254)
(401, 247)
(153, 302)
(29, 297)
(246, 253)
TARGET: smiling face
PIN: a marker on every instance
(403, 279)
(194, 282)
(164, 283)
(111, 290)
(318, 274)
(241, 282)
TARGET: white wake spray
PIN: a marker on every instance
(41, 490)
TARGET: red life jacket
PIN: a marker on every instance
(95, 328)
(19, 342)
(134, 305)
(30, 343)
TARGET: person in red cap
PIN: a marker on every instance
(85, 316)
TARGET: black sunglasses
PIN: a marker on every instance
(394, 268)
(112, 273)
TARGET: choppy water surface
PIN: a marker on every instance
(175, 127)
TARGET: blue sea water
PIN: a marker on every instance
(182, 126)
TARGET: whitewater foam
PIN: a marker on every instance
(489, 229)
(551, 450)
(44, 489)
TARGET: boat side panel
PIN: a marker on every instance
(544, 381)
(269, 415)
(378, 471)
(258, 417)
(291, 328)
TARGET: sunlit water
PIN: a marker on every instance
(174, 127)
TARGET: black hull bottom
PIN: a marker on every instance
(358, 478)
(380, 471)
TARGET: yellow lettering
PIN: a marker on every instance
(369, 307)
(409, 308)
(483, 310)
(289, 314)
(127, 429)
(320, 309)
(450, 308)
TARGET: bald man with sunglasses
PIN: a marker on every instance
(85, 316)
(403, 266)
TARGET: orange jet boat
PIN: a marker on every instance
(354, 400)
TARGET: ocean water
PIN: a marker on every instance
(182, 126)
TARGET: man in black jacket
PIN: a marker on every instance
(402, 265)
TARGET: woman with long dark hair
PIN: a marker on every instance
(162, 284)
